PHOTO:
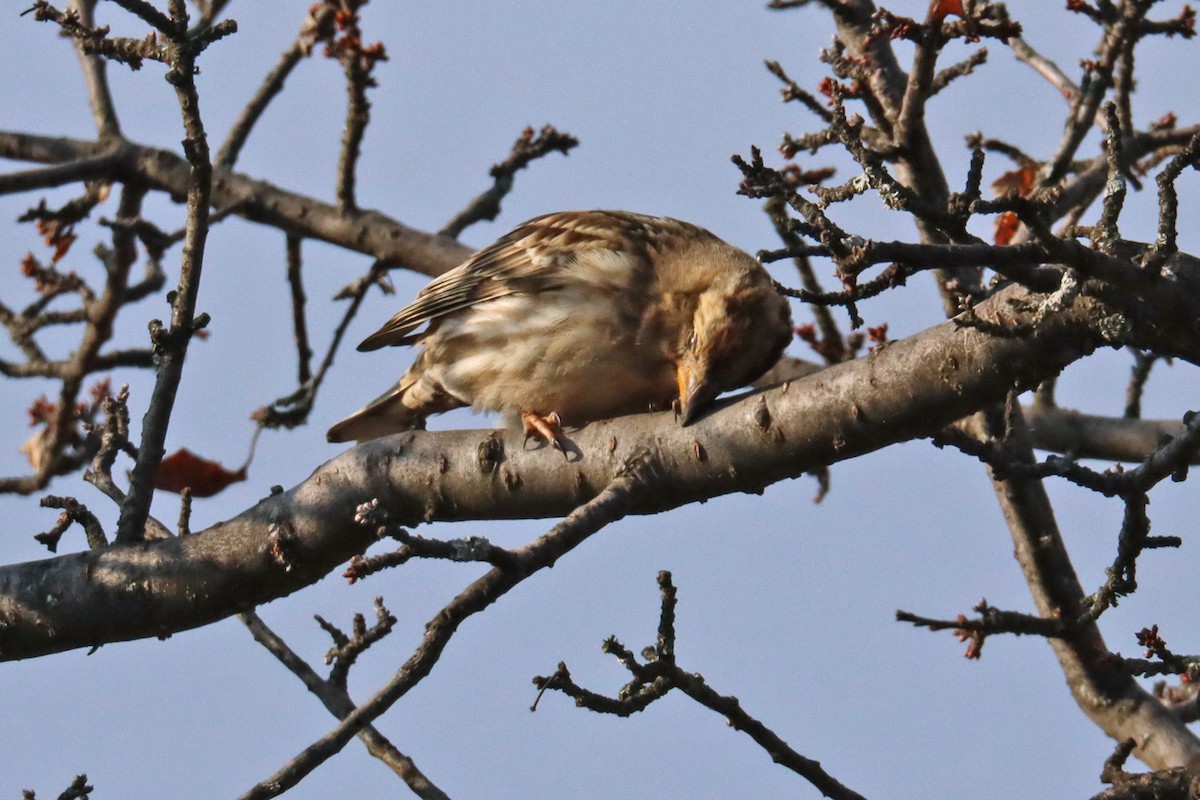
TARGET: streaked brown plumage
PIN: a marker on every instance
(579, 316)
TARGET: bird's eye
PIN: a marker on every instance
(691, 342)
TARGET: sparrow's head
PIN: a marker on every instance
(737, 334)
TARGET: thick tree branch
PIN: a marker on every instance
(1104, 438)
(1057, 430)
(908, 389)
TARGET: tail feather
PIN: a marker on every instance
(404, 407)
(385, 415)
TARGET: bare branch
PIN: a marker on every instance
(1105, 693)
(95, 75)
(525, 149)
(317, 26)
(1080, 435)
(339, 703)
(171, 345)
(359, 60)
(100, 166)
(909, 389)
(1046, 68)
(293, 409)
(611, 504)
(660, 674)
(363, 231)
(300, 325)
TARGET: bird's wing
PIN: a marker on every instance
(534, 257)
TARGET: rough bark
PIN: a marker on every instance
(908, 389)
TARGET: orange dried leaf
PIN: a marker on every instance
(184, 469)
(1019, 181)
(62, 244)
(943, 8)
(1007, 226)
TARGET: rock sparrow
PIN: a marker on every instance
(578, 316)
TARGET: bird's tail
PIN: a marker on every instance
(384, 415)
(404, 407)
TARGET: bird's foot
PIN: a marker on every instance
(547, 428)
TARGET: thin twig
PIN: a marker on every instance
(525, 149)
(1044, 67)
(304, 353)
(660, 674)
(358, 60)
(316, 26)
(293, 409)
(95, 75)
(339, 703)
(171, 344)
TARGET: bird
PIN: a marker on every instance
(577, 316)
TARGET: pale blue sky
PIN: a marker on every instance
(785, 604)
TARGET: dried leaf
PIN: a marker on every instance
(1019, 181)
(943, 8)
(35, 449)
(1007, 225)
(184, 469)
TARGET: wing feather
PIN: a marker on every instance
(534, 257)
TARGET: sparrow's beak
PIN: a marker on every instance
(695, 393)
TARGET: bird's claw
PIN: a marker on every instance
(547, 428)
